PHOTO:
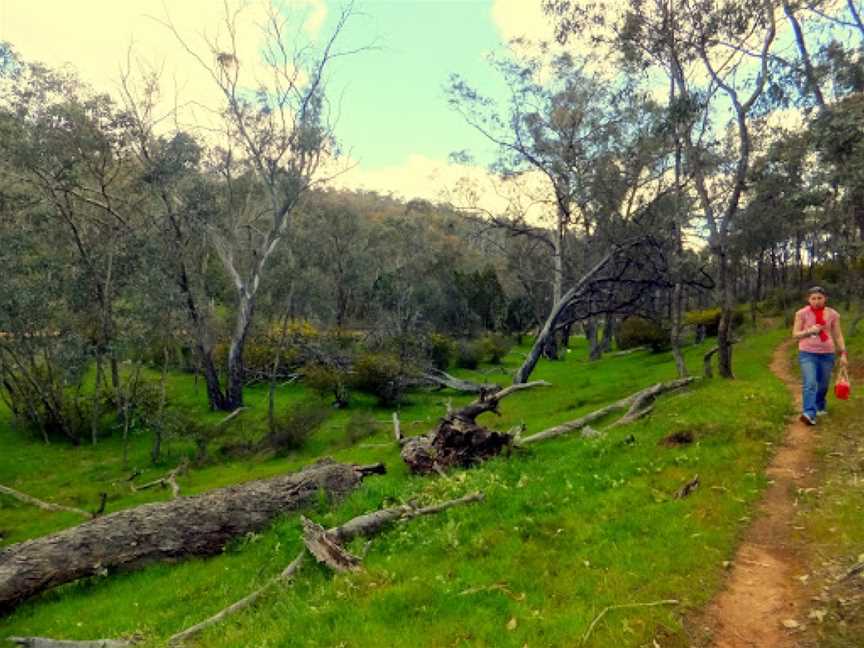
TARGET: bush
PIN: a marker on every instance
(710, 319)
(360, 426)
(495, 346)
(640, 331)
(328, 381)
(381, 375)
(468, 354)
(292, 429)
(441, 351)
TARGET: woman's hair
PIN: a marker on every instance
(816, 289)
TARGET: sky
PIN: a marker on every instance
(393, 119)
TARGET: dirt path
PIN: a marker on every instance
(763, 589)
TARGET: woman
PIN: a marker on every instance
(817, 329)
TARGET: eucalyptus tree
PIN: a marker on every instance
(716, 54)
(271, 139)
(558, 122)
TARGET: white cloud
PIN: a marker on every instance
(95, 37)
(521, 19)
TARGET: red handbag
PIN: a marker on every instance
(841, 385)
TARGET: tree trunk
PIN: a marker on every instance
(675, 335)
(609, 330)
(188, 526)
(595, 351)
(724, 330)
(236, 374)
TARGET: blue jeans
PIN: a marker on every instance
(816, 374)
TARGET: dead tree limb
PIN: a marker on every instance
(637, 405)
(459, 440)
(621, 607)
(46, 506)
(169, 479)
(397, 430)
(364, 525)
(44, 642)
(442, 379)
(188, 526)
(286, 576)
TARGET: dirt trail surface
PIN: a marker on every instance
(763, 595)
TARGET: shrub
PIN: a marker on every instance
(381, 375)
(640, 331)
(468, 354)
(441, 351)
(360, 426)
(292, 429)
(495, 346)
(328, 381)
(710, 319)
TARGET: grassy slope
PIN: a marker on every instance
(568, 528)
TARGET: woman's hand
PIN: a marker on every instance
(843, 360)
(813, 330)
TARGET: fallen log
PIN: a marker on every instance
(200, 525)
(459, 440)
(637, 406)
(365, 525)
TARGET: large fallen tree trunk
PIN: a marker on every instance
(200, 525)
(459, 440)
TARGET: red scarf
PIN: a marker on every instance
(820, 319)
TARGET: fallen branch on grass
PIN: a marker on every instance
(620, 607)
(637, 405)
(44, 642)
(169, 479)
(284, 577)
(327, 547)
(442, 379)
(46, 506)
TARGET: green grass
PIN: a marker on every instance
(568, 527)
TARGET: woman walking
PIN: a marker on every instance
(817, 329)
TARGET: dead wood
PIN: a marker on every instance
(687, 488)
(170, 479)
(326, 548)
(459, 440)
(187, 526)
(46, 506)
(442, 379)
(44, 642)
(605, 610)
(247, 601)
(637, 405)
(365, 525)
(397, 429)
